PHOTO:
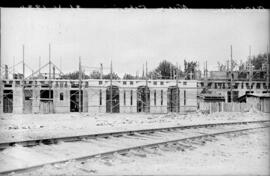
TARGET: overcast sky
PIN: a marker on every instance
(131, 37)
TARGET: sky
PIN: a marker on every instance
(130, 37)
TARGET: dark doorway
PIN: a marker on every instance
(173, 99)
(112, 99)
(46, 94)
(143, 99)
(235, 96)
(27, 101)
(8, 101)
(74, 101)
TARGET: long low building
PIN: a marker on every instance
(98, 96)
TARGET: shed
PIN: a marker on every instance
(211, 97)
(260, 101)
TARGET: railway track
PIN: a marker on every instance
(88, 146)
(74, 138)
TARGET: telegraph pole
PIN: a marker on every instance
(23, 63)
(49, 73)
(13, 70)
(206, 76)
(142, 71)
(250, 70)
(177, 94)
(23, 96)
(146, 79)
(231, 76)
(268, 65)
(111, 108)
(1, 92)
(101, 71)
(39, 62)
(170, 71)
(80, 83)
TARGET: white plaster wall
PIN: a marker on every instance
(18, 100)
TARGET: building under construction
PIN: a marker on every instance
(98, 96)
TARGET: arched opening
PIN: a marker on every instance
(173, 98)
(143, 99)
(112, 99)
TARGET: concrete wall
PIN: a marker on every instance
(91, 95)
(61, 106)
(36, 100)
(94, 100)
(128, 107)
(190, 104)
(158, 108)
(85, 101)
(253, 101)
(17, 100)
(265, 105)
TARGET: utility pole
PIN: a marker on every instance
(177, 93)
(250, 70)
(170, 71)
(101, 71)
(23, 96)
(61, 65)
(146, 79)
(231, 76)
(80, 83)
(111, 103)
(23, 63)
(206, 71)
(50, 74)
(13, 69)
(143, 71)
(39, 65)
(206, 76)
(268, 65)
(1, 92)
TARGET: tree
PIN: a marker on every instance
(241, 66)
(190, 68)
(259, 60)
(221, 67)
(108, 76)
(164, 69)
(95, 75)
(234, 64)
(154, 75)
(74, 75)
(128, 76)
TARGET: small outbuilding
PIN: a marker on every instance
(260, 101)
(211, 97)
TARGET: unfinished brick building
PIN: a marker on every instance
(98, 96)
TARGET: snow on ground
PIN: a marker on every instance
(14, 127)
(242, 154)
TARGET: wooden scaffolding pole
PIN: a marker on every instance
(111, 104)
(177, 95)
(146, 89)
(268, 67)
(231, 76)
(250, 70)
(1, 90)
(23, 64)
(50, 84)
(80, 84)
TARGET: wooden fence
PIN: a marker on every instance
(224, 107)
